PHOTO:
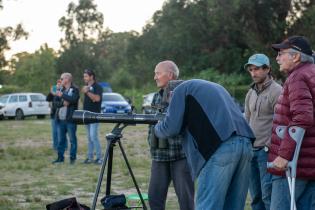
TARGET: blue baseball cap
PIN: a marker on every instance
(258, 60)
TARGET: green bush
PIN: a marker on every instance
(235, 83)
(10, 89)
(225, 80)
(136, 95)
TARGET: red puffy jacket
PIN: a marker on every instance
(295, 107)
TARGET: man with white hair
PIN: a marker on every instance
(294, 112)
(66, 102)
(168, 159)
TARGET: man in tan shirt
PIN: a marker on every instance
(259, 108)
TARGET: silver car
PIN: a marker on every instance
(146, 105)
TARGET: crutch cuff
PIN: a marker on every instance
(287, 146)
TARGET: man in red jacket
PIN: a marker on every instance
(295, 107)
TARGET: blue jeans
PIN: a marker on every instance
(70, 128)
(304, 194)
(222, 183)
(54, 133)
(93, 141)
(260, 181)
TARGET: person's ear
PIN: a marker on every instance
(296, 57)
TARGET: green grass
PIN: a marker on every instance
(30, 181)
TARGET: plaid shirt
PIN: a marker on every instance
(174, 150)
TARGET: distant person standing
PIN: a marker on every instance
(66, 102)
(260, 102)
(92, 102)
(51, 97)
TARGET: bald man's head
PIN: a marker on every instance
(164, 72)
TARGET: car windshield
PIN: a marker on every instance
(38, 97)
(4, 99)
(112, 98)
(150, 97)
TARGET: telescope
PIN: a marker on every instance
(85, 117)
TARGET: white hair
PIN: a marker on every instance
(304, 57)
(68, 75)
(170, 66)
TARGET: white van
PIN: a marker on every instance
(20, 105)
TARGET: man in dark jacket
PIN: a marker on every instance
(294, 111)
(216, 141)
(51, 97)
(67, 102)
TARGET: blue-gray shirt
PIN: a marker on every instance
(206, 115)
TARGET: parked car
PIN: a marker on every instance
(147, 101)
(20, 105)
(106, 87)
(115, 103)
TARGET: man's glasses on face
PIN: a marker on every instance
(280, 53)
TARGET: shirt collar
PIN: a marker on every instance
(266, 84)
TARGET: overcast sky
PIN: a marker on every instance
(40, 18)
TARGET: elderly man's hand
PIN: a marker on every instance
(280, 163)
(59, 93)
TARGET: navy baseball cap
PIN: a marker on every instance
(299, 43)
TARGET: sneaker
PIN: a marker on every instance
(72, 161)
(88, 161)
(98, 161)
(59, 160)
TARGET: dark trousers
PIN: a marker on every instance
(162, 173)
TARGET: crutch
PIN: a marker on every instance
(297, 134)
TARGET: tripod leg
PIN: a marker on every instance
(109, 148)
(132, 175)
(109, 169)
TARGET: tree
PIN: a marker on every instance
(303, 25)
(36, 72)
(77, 58)
(8, 34)
(216, 34)
(83, 27)
(82, 23)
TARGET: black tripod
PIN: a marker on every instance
(112, 138)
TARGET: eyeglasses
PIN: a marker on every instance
(280, 53)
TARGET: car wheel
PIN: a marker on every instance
(41, 116)
(19, 115)
(1, 117)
